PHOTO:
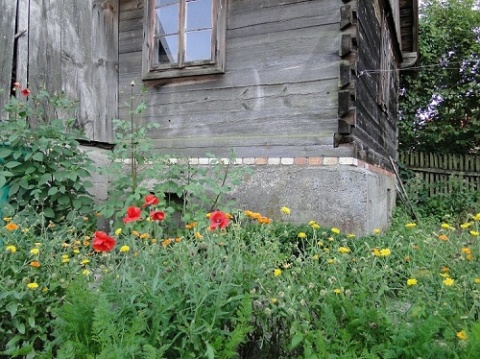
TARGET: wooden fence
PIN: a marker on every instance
(435, 170)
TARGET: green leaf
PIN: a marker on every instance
(20, 326)
(12, 164)
(296, 340)
(12, 308)
(49, 213)
(52, 191)
(31, 322)
(5, 152)
(38, 156)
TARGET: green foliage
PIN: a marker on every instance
(41, 165)
(439, 109)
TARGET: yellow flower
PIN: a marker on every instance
(446, 226)
(448, 282)
(11, 226)
(153, 241)
(198, 235)
(335, 230)
(273, 300)
(86, 272)
(136, 233)
(277, 272)
(194, 224)
(477, 280)
(124, 249)
(45, 289)
(411, 282)
(315, 226)
(315, 257)
(377, 231)
(144, 236)
(385, 252)
(178, 239)
(344, 250)
(350, 235)
(11, 249)
(166, 242)
(466, 225)
(32, 286)
(34, 251)
(411, 225)
(337, 291)
(84, 261)
(7, 219)
(474, 233)
(476, 217)
(331, 261)
(443, 237)
(302, 235)
(65, 258)
(462, 335)
(118, 231)
(444, 270)
(208, 215)
(285, 210)
(376, 252)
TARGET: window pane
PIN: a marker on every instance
(198, 45)
(167, 20)
(168, 49)
(199, 15)
(159, 3)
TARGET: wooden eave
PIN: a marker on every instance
(408, 32)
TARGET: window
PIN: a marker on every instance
(183, 38)
(385, 74)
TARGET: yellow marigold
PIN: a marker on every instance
(144, 236)
(255, 215)
(178, 239)
(32, 286)
(198, 235)
(273, 300)
(385, 252)
(462, 335)
(11, 249)
(136, 233)
(311, 223)
(376, 252)
(191, 225)
(7, 219)
(77, 242)
(124, 249)
(411, 282)
(377, 231)
(208, 215)
(466, 250)
(331, 261)
(277, 272)
(315, 257)
(84, 261)
(86, 272)
(344, 250)
(474, 233)
(118, 231)
(11, 226)
(350, 235)
(466, 225)
(448, 282)
(166, 242)
(65, 258)
(285, 210)
(337, 291)
(411, 225)
(444, 270)
(335, 230)
(443, 237)
(302, 235)
(446, 226)
(45, 289)
(86, 243)
(477, 280)
(315, 226)
(35, 264)
(476, 217)
(34, 251)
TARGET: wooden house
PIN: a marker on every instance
(304, 91)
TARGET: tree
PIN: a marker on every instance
(440, 97)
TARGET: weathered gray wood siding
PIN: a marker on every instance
(376, 130)
(278, 96)
(69, 46)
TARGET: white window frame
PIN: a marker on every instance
(216, 64)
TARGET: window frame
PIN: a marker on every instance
(216, 64)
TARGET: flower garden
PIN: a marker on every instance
(238, 285)
(169, 269)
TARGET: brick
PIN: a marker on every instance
(286, 160)
(203, 161)
(249, 161)
(315, 161)
(261, 160)
(348, 161)
(330, 161)
(193, 161)
(274, 160)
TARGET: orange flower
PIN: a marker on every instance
(166, 242)
(11, 226)
(443, 237)
(35, 264)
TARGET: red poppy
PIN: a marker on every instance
(133, 214)
(157, 215)
(150, 199)
(218, 219)
(103, 242)
(25, 92)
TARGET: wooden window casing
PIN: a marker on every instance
(385, 73)
(180, 66)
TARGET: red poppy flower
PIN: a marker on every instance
(218, 219)
(157, 215)
(25, 92)
(150, 199)
(133, 214)
(103, 242)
